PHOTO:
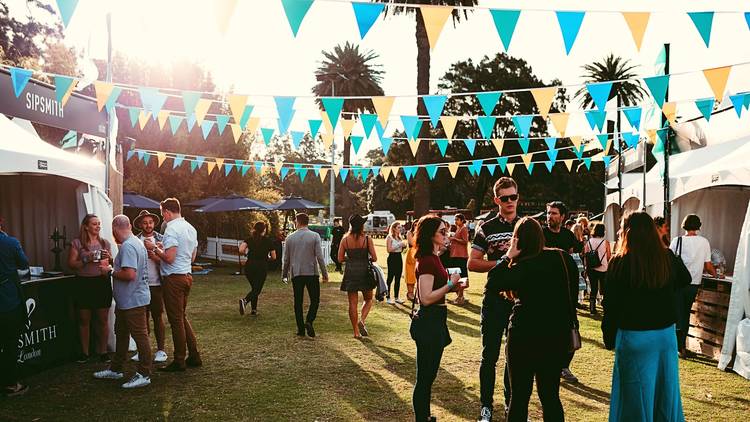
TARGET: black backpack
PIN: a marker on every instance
(592, 256)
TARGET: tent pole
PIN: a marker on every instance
(667, 147)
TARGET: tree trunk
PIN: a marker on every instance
(479, 191)
(421, 182)
(346, 193)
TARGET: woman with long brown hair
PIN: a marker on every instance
(357, 250)
(544, 283)
(639, 324)
(258, 249)
(90, 256)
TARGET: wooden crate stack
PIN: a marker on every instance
(708, 318)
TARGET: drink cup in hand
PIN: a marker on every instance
(455, 277)
(148, 244)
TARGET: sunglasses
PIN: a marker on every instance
(508, 198)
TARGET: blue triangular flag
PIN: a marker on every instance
(285, 108)
(549, 164)
(178, 159)
(434, 105)
(442, 145)
(190, 100)
(471, 145)
(552, 154)
(368, 122)
(375, 170)
(356, 171)
(658, 87)
(130, 155)
(486, 125)
(267, 133)
(258, 166)
(133, 112)
(603, 139)
(146, 159)
(62, 84)
(523, 124)
(747, 101)
(366, 15)
(633, 114)
(706, 106)
(316, 169)
(227, 169)
(412, 125)
(302, 173)
(600, 93)
(67, 8)
(283, 172)
(410, 171)
(356, 142)
(333, 106)
(488, 101)
(19, 77)
(530, 168)
(297, 138)
(579, 151)
(476, 167)
(191, 121)
(596, 119)
(524, 143)
(505, 23)
(491, 168)
(747, 19)
(379, 129)
(245, 168)
(314, 127)
(503, 163)
(112, 100)
(238, 164)
(70, 140)
(206, 128)
(174, 123)
(295, 11)
(221, 122)
(386, 144)
(738, 102)
(631, 139)
(246, 115)
(343, 173)
(551, 142)
(703, 22)
(193, 166)
(431, 170)
(141, 154)
(570, 24)
(365, 173)
(587, 163)
(606, 160)
(152, 100)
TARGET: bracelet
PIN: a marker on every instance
(450, 284)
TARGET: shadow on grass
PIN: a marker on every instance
(583, 390)
(591, 341)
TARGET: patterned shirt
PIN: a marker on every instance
(493, 237)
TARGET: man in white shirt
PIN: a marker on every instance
(177, 254)
(695, 252)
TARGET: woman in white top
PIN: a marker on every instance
(597, 273)
(395, 245)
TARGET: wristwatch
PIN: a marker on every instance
(503, 260)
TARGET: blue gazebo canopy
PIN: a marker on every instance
(297, 203)
(134, 200)
(235, 203)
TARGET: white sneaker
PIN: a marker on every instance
(160, 356)
(138, 380)
(108, 374)
(399, 301)
(134, 358)
(390, 301)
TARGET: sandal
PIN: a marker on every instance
(16, 390)
(362, 329)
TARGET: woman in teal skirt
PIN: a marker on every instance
(639, 324)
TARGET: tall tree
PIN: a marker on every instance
(346, 71)
(422, 184)
(24, 41)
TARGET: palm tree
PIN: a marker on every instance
(628, 93)
(344, 72)
(421, 183)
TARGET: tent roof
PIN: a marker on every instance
(21, 151)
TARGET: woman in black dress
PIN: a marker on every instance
(357, 250)
(258, 248)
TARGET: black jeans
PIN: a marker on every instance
(535, 357)
(685, 299)
(312, 283)
(596, 278)
(12, 325)
(395, 269)
(255, 272)
(430, 333)
(335, 255)
(494, 320)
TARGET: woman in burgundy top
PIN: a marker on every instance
(429, 328)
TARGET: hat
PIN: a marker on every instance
(356, 219)
(145, 213)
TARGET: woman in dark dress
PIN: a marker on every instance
(357, 250)
(257, 248)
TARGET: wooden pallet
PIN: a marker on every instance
(708, 318)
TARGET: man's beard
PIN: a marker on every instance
(148, 233)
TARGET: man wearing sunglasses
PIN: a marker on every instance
(493, 240)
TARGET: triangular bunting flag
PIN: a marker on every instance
(152, 100)
(356, 143)
(633, 114)
(190, 122)
(64, 86)
(706, 107)
(67, 8)
(174, 123)
(738, 102)
(552, 155)
(410, 172)
(600, 93)
(343, 173)
(505, 24)
(323, 174)
(314, 127)
(551, 142)
(19, 78)
(431, 170)
(162, 119)
(488, 101)
(178, 159)
(549, 164)
(190, 100)
(434, 105)
(245, 168)
(442, 145)
(491, 168)
(160, 157)
(603, 140)
(543, 98)
(414, 146)
(146, 159)
(498, 144)
(522, 124)
(383, 106)
(476, 167)
(453, 169)
(560, 121)
(236, 132)
(283, 173)
(576, 141)
(206, 128)
(670, 111)
(332, 107)
(637, 22)
(143, 118)
(267, 134)
(302, 173)
(526, 159)
(579, 151)
(631, 139)
(524, 143)
(297, 138)
(471, 145)
(717, 78)
(295, 11)
(285, 108)
(246, 117)
(201, 109)
(568, 164)
(510, 167)
(386, 144)
(385, 171)
(252, 124)
(346, 126)
(366, 15)
(327, 140)
(412, 125)
(570, 23)
(368, 122)
(658, 87)
(703, 22)
(316, 169)
(133, 112)
(486, 125)
(596, 119)
(587, 163)
(102, 91)
(223, 11)
(606, 160)
(221, 122)
(228, 169)
(237, 106)
(449, 125)
(434, 18)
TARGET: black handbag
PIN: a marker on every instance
(372, 275)
(575, 334)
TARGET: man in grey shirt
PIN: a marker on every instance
(132, 297)
(301, 257)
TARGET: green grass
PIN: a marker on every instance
(255, 368)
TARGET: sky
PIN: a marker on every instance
(257, 55)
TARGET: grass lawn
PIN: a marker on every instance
(255, 368)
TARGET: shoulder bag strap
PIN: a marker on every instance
(679, 246)
(567, 290)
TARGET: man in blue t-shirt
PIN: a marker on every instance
(132, 297)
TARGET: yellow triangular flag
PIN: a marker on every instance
(236, 132)
(560, 121)
(637, 22)
(526, 159)
(449, 125)
(576, 140)
(72, 87)
(143, 118)
(162, 117)
(510, 167)
(326, 121)
(498, 144)
(651, 136)
(453, 168)
(219, 162)
(414, 146)
(385, 171)
(670, 111)
(160, 157)
(568, 164)
(383, 106)
(323, 173)
(346, 126)
(252, 125)
(223, 10)
(544, 98)
(434, 18)
(327, 140)
(717, 79)
(237, 106)
(278, 166)
(210, 166)
(103, 91)
(336, 169)
(201, 108)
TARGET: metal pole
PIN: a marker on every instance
(331, 174)
(108, 138)
(667, 144)
(645, 160)
(620, 164)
